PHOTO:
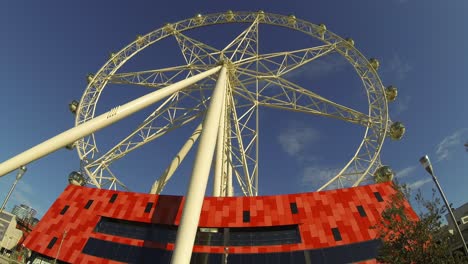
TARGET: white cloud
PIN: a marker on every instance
(319, 67)
(315, 176)
(405, 172)
(397, 67)
(418, 184)
(296, 138)
(400, 105)
(451, 143)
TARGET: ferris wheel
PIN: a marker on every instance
(233, 83)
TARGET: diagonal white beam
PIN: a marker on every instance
(97, 123)
(199, 179)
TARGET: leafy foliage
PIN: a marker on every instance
(407, 239)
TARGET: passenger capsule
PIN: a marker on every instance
(89, 77)
(322, 27)
(350, 41)
(76, 178)
(140, 40)
(291, 19)
(73, 106)
(391, 93)
(261, 14)
(169, 28)
(198, 19)
(229, 15)
(397, 130)
(374, 63)
(383, 174)
(113, 56)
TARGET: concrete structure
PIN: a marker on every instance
(24, 212)
(461, 216)
(104, 226)
(9, 234)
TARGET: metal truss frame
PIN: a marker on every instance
(253, 80)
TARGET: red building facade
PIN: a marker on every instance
(88, 225)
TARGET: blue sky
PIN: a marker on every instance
(48, 48)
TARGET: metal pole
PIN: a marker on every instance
(428, 166)
(21, 172)
(201, 169)
(60, 246)
(451, 213)
(219, 158)
(159, 184)
(97, 123)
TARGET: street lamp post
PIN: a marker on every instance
(426, 163)
(21, 172)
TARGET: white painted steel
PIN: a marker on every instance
(199, 179)
(178, 159)
(97, 123)
(220, 153)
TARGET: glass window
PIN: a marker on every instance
(246, 216)
(133, 254)
(52, 243)
(293, 208)
(64, 210)
(361, 211)
(5, 216)
(88, 204)
(148, 207)
(113, 197)
(239, 236)
(336, 234)
(378, 196)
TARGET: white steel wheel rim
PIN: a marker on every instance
(366, 158)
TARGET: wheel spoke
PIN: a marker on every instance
(178, 110)
(243, 144)
(282, 94)
(196, 52)
(280, 63)
(156, 78)
(244, 46)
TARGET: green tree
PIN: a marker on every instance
(407, 239)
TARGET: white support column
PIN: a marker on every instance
(219, 158)
(159, 184)
(199, 179)
(229, 189)
(97, 123)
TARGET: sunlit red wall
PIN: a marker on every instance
(318, 213)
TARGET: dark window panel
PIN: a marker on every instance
(361, 211)
(238, 236)
(293, 208)
(64, 210)
(246, 216)
(112, 199)
(350, 253)
(148, 207)
(88, 204)
(378, 196)
(52, 243)
(336, 234)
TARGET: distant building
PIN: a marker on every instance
(461, 216)
(106, 226)
(9, 234)
(24, 212)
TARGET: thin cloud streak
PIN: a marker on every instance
(418, 184)
(396, 67)
(451, 143)
(406, 172)
(297, 138)
(319, 68)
